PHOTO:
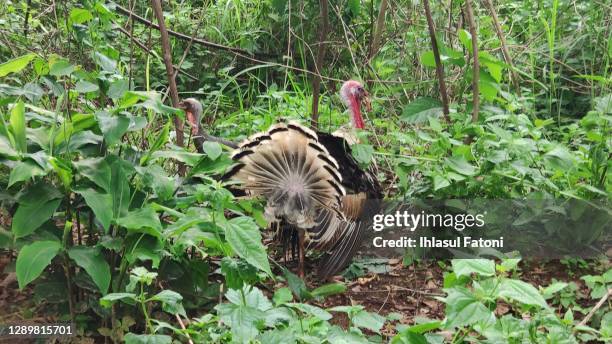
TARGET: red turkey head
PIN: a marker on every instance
(193, 112)
(353, 95)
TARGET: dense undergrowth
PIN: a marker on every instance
(107, 233)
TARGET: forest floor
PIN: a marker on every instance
(410, 291)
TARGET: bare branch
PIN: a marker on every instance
(316, 81)
(476, 66)
(439, 67)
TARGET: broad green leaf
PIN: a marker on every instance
(25, 170)
(552, 289)
(31, 216)
(141, 220)
(371, 321)
(83, 86)
(244, 237)
(111, 298)
(463, 309)
(440, 182)
(428, 59)
(363, 153)
(104, 61)
(560, 158)
(118, 88)
(465, 267)
(97, 170)
(80, 16)
(466, 39)
(33, 259)
(160, 141)
(113, 127)
(460, 165)
(312, 310)
(6, 148)
(297, 285)
(329, 289)
(419, 110)
(522, 292)
(171, 302)
(282, 296)
(245, 312)
(18, 127)
(354, 7)
(15, 65)
(212, 149)
(61, 67)
(90, 259)
(409, 337)
(132, 338)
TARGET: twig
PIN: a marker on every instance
(183, 327)
(316, 81)
(597, 306)
(476, 66)
(439, 67)
(126, 12)
(504, 45)
(380, 25)
(165, 42)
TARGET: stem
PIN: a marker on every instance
(316, 81)
(144, 309)
(476, 67)
(439, 67)
(167, 55)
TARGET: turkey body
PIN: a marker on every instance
(317, 196)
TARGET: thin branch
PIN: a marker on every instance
(126, 12)
(380, 25)
(167, 55)
(476, 66)
(439, 67)
(597, 306)
(504, 45)
(316, 81)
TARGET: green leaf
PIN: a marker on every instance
(245, 312)
(329, 289)
(460, 165)
(111, 298)
(419, 110)
(61, 67)
(312, 310)
(463, 309)
(18, 127)
(83, 86)
(466, 39)
(171, 302)
(244, 237)
(25, 170)
(141, 220)
(90, 259)
(132, 338)
(282, 296)
(465, 267)
(212, 149)
(97, 170)
(31, 216)
(113, 127)
(118, 88)
(363, 153)
(33, 259)
(371, 321)
(440, 182)
(428, 59)
(297, 285)
(521, 292)
(552, 289)
(355, 7)
(560, 158)
(80, 16)
(16, 65)
(409, 337)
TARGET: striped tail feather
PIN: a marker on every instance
(294, 173)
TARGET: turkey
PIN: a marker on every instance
(317, 196)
